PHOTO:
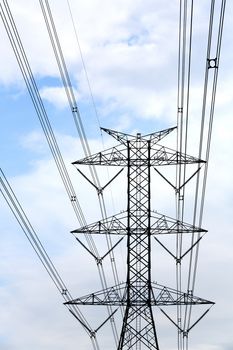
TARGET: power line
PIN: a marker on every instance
(53, 35)
(209, 67)
(84, 65)
(201, 184)
(31, 235)
(22, 60)
(183, 101)
(183, 96)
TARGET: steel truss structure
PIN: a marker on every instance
(140, 154)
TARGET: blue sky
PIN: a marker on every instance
(130, 52)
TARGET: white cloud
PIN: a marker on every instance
(57, 96)
(34, 142)
(130, 51)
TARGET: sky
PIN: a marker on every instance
(130, 50)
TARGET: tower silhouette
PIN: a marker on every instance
(139, 154)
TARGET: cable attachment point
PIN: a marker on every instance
(74, 109)
(93, 334)
(99, 191)
(212, 63)
(99, 261)
(73, 198)
(190, 292)
(181, 197)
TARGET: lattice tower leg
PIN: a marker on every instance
(138, 330)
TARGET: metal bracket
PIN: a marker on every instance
(99, 259)
(212, 63)
(178, 260)
(90, 331)
(175, 324)
(199, 319)
(88, 250)
(74, 109)
(179, 188)
(110, 317)
(99, 189)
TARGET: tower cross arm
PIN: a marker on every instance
(116, 224)
(113, 295)
(113, 156)
(117, 156)
(162, 224)
(165, 296)
(124, 138)
(161, 155)
(160, 296)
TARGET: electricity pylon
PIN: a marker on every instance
(138, 294)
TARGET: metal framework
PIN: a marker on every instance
(139, 294)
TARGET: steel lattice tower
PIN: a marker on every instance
(139, 294)
(138, 324)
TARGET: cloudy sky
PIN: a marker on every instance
(130, 50)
